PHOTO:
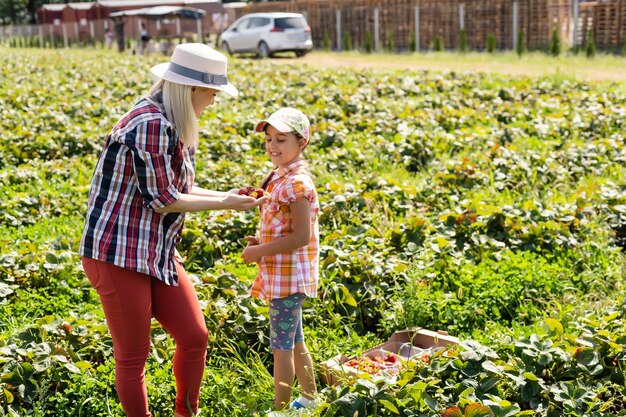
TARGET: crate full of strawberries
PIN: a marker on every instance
(404, 349)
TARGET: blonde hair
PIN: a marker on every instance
(179, 110)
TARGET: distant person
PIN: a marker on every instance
(286, 250)
(144, 38)
(108, 37)
(142, 187)
(119, 33)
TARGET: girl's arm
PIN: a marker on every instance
(301, 235)
(190, 202)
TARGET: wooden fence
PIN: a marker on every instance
(504, 19)
(393, 22)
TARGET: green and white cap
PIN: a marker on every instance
(287, 120)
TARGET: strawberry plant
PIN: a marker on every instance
(482, 204)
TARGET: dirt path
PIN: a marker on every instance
(588, 72)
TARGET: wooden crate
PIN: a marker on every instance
(539, 19)
(490, 17)
(608, 23)
(621, 25)
(585, 22)
(439, 18)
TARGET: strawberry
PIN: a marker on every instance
(258, 193)
(247, 190)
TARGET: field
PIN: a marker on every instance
(490, 206)
(603, 67)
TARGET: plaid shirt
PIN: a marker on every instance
(143, 166)
(288, 273)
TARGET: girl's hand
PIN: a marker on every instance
(251, 254)
(242, 202)
(252, 240)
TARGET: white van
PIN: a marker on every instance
(266, 33)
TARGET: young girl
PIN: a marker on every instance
(286, 249)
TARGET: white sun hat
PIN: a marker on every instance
(196, 64)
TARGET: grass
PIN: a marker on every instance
(603, 67)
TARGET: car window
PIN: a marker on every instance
(257, 22)
(243, 24)
(290, 22)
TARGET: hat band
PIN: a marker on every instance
(205, 77)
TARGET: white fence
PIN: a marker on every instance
(90, 32)
(55, 34)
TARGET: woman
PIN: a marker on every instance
(141, 188)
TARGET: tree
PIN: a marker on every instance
(21, 11)
(369, 42)
(520, 44)
(491, 43)
(555, 44)
(437, 43)
(12, 11)
(413, 43)
(326, 41)
(463, 41)
(33, 5)
(389, 45)
(346, 41)
(590, 45)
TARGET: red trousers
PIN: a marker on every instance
(130, 299)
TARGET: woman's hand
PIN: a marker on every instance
(251, 253)
(242, 202)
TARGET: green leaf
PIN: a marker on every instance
(588, 357)
(83, 365)
(72, 368)
(611, 317)
(351, 404)
(430, 402)
(491, 367)
(8, 396)
(555, 326)
(390, 406)
(530, 376)
(529, 391)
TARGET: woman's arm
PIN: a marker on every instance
(301, 235)
(190, 203)
(195, 190)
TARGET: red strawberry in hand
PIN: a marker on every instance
(247, 190)
(258, 193)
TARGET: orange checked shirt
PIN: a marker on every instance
(288, 273)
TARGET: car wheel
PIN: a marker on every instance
(226, 48)
(263, 51)
(301, 52)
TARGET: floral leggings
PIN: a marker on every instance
(286, 321)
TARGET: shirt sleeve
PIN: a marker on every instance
(153, 150)
(296, 190)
